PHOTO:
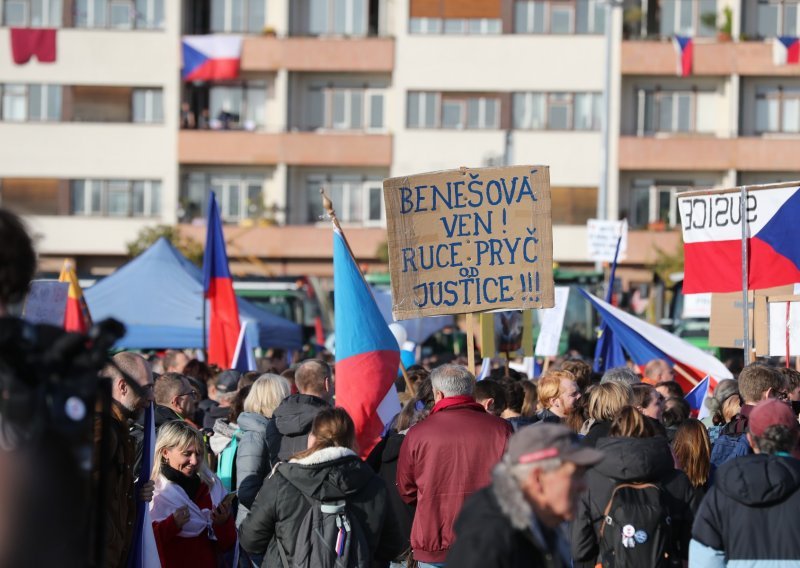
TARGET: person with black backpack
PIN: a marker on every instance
(637, 510)
(324, 508)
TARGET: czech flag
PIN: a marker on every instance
(367, 354)
(644, 342)
(785, 49)
(224, 323)
(243, 358)
(712, 236)
(684, 49)
(696, 397)
(211, 57)
(77, 317)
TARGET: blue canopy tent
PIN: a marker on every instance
(158, 296)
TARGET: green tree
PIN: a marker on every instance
(667, 263)
(190, 248)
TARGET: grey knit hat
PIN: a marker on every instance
(725, 389)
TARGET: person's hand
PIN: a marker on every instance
(146, 492)
(181, 516)
(221, 513)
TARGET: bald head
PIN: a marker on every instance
(138, 370)
(314, 377)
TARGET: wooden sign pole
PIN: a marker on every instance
(471, 342)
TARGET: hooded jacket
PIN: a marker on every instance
(630, 460)
(257, 453)
(497, 528)
(749, 514)
(293, 419)
(331, 474)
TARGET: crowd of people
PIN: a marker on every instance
(571, 469)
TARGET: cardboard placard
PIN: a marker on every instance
(727, 329)
(507, 332)
(470, 240)
(783, 322)
(46, 302)
(602, 237)
(763, 323)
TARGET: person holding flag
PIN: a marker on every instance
(77, 317)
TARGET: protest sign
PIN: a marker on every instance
(783, 323)
(470, 240)
(507, 333)
(551, 322)
(47, 302)
(602, 237)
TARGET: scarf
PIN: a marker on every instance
(170, 495)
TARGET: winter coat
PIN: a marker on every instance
(383, 460)
(749, 515)
(223, 435)
(120, 503)
(331, 474)
(547, 416)
(443, 460)
(597, 431)
(630, 460)
(497, 528)
(732, 442)
(518, 422)
(213, 414)
(293, 417)
(257, 453)
(164, 414)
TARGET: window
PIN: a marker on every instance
(344, 108)
(443, 110)
(688, 17)
(119, 14)
(32, 13)
(39, 103)
(338, 17)
(653, 201)
(778, 110)
(239, 196)
(355, 199)
(559, 17)
(148, 105)
(238, 16)
(778, 18)
(455, 26)
(115, 198)
(663, 111)
(557, 111)
(425, 26)
(238, 106)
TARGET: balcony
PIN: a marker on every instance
(753, 154)
(710, 59)
(310, 54)
(232, 148)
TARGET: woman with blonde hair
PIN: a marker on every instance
(192, 519)
(259, 439)
(327, 474)
(605, 402)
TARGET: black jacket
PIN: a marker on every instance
(293, 418)
(750, 512)
(630, 460)
(331, 474)
(383, 460)
(164, 414)
(597, 431)
(547, 416)
(500, 536)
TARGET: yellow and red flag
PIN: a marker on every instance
(77, 317)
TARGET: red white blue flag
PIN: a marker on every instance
(223, 324)
(243, 358)
(712, 236)
(684, 50)
(644, 342)
(211, 57)
(697, 395)
(785, 50)
(367, 354)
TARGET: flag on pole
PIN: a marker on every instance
(367, 354)
(684, 50)
(243, 358)
(223, 323)
(608, 351)
(696, 397)
(144, 553)
(645, 342)
(77, 317)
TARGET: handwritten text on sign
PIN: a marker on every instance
(470, 240)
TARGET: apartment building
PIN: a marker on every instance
(343, 93)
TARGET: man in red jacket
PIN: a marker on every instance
(446, 458)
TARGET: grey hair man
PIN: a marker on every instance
(621, 374)
(514, 521)
(446, 458)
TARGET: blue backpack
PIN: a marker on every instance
(729, 446)
(226, 463)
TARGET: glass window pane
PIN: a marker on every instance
(521, 10)
(237, 16)
(668, 11)
(313, 203)
(81, 13)
(255, 201)
(96, 197)
(491, 114)
(15, 103)
(650, 121)
(791, 115)
(375, 203)
(455, 26)
(705, 114)
(685, 18)
(138, 199)
(234, 201)
(414, 100)
(762, 115)
(356, 109)
(521, 110)
(118, 199)
(257, 17)
(431, 102)
(315, 112)
(158, 105)
(583, 111)
(376, 110)
(560, 19)
(356, 196)
(14, 14)
(339, 110)
(790, 19)
(37, 13)
(359, 17)
(337, 197)
(684, 112)
(340, 22)
(34, 102)
(120, 16)
(473, 113)
(599, 18)
(139, 106)
(77, 197)
(474, 26)
(218, 15)
(582, 11)
(256, 94)
(415, 25)
(452, 114)
(155, 198)
(665, 114)
(558, 112)
(706, 7)
(55, 17)
(318, 16)
(768, 20)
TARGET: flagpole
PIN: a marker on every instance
(745, 307)
(329, 210)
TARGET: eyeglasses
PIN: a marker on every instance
(193, 393)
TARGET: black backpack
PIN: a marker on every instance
(636, 529)
(328, 537)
